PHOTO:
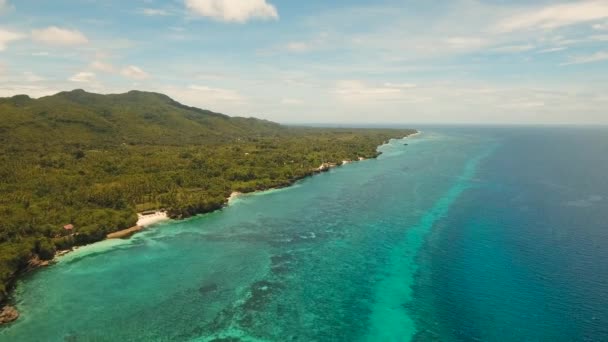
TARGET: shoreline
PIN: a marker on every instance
(234, 195)
(144, 219)
(161, 216)
(124, 233)
(413, 135)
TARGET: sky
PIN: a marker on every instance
(319, 61)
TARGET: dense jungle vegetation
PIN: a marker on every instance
(94, 161)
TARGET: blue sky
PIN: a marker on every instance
(457, 61)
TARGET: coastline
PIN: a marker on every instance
(414, 134)
(234, 195)
(324, 167)
(125, 233)
(161, 216)
(144, 220)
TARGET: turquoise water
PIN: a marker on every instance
(464, 234)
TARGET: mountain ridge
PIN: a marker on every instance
(134, 117)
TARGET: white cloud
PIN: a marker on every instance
(54, 35)
(291, 102)
(41, 54)
(31, 90)
(216, 93)
(359, 91)
(320, 41)
(522, 104)
(5, 6)
(134, 72)
(217, 99)
(599, 38)
(3, 68)
(83, 77)
(298, 46)
(556, 16)
(514, 48)
(465, 43)
(600, 27)
(32, 77)
(103, 67)
(596, 57)
(7, 37)
(400, 85)
(239, 11)
(155, 12)
(553, 49)
(560, 41)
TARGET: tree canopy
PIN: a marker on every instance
(94, 161)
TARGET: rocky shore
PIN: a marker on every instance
(8, 314)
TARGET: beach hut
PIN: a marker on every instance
(68, 227)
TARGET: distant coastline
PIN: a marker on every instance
(324, 167)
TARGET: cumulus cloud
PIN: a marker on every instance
(556, 16)
(83, 77)
(239, 11)
(54, 35)
(7, 37)
(134, 72)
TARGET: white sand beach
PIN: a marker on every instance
(413, 135)
(146, 220)
(234, 196)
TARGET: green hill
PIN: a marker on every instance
(78, 117)
(94, 161)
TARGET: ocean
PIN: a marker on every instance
(456, 234)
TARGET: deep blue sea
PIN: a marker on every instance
(456, 234)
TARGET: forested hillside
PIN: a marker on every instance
(94, 161)
(78, 118)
